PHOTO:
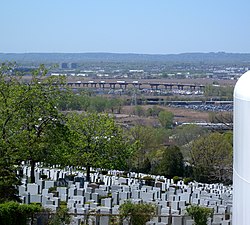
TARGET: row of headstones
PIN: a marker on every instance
(82, 199)
(164, 184)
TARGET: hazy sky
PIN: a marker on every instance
(125, 26)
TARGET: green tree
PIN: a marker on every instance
(70, 101)
(211, 157)
(229, 137)
(145, 167)
(224, 92)
(139, 111)
(114, 105)
(148, 139)
(10, 90)
(185, 134)
(97, 141)
(200, 214)
(137, 214)
(98, 104)
(166, 119)
(40, 118)
(172, 163)
(225, 118)
(30, 123)
(154, 111)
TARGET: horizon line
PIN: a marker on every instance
(127, 53)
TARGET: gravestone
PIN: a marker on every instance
(33, 189)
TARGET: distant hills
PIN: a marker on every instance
(212, 57)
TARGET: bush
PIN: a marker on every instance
(200, 214)
(176, 179)
(137, 214)
(17, 214)
(187, 180)
(124, 174)
(149, 180)
(52, 189)
(61, 217)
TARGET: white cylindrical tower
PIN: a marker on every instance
(241, 164)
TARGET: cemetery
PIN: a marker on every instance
(38, 129)
(98, 202)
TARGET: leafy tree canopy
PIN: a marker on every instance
(211, 157)
(172, 163)
(97, 141)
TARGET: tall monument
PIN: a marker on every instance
(241, 165)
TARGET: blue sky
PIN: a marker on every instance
(125, 26)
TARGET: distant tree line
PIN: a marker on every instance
(82, 101)
(217, 91)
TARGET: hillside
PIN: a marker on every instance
(212, 57)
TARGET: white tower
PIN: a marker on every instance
(241, 171)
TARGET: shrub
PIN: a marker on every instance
(149, 180)
(176, 179)
(52, 189)
(124, 174)
(200, 214)
(187, 180)
(61, 217)
(17, 214)
(137, 214)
